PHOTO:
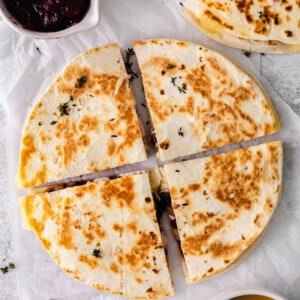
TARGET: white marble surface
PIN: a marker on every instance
(282, 71)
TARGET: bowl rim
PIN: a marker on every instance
(89, 21)
(235, 292)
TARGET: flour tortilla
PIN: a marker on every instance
(222, 205)
(86, 122)
(117, 218)
(199, 100)
(261, 26)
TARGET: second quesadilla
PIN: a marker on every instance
(221, 205)
(105, 234)
(261, 26)
(199, 100)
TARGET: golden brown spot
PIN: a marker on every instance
(139, 252)
(162, 92)
(220, 250)
(194, 187)
(210, 15)
(226, 261)
(138, 280)
(88, 124)
(289, 8)
(164, 145)
(118, 228)
(114, 267)
(156, 271)
(257, 220)
(299, 23)
(288, 33)
(199, 81)
(194, 245)
(160, 109)
(132, 226)
(210, 270)
(84, 140)
(45, 138)
(65, 233)
(26, 154)
(119, 192)
(92, 262)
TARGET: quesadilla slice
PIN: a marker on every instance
(105, 234)
(262, 26)
(86, 122)
(221, 205)
(199, 100)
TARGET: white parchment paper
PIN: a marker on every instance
(27, 67)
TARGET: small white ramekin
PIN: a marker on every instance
(236, 292)
(90, 20)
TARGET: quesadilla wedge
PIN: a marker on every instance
(86, 122)
(199, 100)
(221, 206)
(104, 234)
(261, 26)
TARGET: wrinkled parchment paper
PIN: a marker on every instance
(27, 67)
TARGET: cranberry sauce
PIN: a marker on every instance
(47, 15)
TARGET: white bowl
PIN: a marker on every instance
(90, 20)
(235, 292)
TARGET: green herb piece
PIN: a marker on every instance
(114, 136)
(4, 270)
(112, 119)
(177, 171)
(262, 14)
(97, 253)
(183, 88)
(80, 82)
(173, 80)
(170, 66)
(92, 96)
(53, 122)
(71, 98)
(184, 204)
(129, 53)
(10, 266)
(74, 105)
(63, 109)
(180, 132)
(40, 123)
(247, 53)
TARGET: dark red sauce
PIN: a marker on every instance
(48, 15)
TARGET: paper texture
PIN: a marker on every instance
(27, 67)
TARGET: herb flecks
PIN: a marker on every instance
(114, 136)
(182, 88)
(262, 14)
(184, 204)
(129, 53)
(53, 122)
(71, 98)
(171, 66)
(97, 253)
(80, 82)
(177, 171)
(112, 119)
(64, 109)
(10, 266)
(247, 53)
(180, 132)
(40, 123)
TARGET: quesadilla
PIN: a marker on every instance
(199, 100)
(221, 205)
(105, 234)
(262, 26)
(86, 122)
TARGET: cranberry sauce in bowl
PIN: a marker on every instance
(47, 15)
